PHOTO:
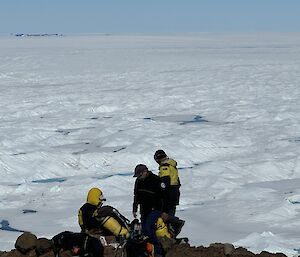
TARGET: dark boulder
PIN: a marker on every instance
(43, 246)
(26, 242)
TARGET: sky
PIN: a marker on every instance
(141, 16)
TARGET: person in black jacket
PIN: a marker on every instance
(147, 192)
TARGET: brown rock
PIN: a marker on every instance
(110, 251)
(280, 255)
(48, 254)
(167, 243)
(26, 242)
(267, 254)
(31, 253)
(43, 246)
(213, 252)
(3, 254)
(241, 252)
(29, 246)
(184, 250)
(227, 248)
(67, 253)
(110, 239)
(15, 253)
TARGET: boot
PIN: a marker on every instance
(176, 227)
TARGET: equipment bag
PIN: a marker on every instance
(78, 243)
(139, 247)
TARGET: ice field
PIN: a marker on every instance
(79, 111)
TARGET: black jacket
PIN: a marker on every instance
(89, 220)
(147, 194)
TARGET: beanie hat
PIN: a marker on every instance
(159, 154)
(139, 169)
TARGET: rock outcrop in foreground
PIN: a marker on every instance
(28, 245)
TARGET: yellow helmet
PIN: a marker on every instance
(95, 196)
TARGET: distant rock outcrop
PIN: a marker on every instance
(38, 35)
(28, 245)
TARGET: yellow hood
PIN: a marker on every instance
(171, 162)
(94, 196)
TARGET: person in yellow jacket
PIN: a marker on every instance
(168, 174)
(156, 229)
(170, 183)
(94, 218)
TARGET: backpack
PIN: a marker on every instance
(78, 244)
(139, 247)
(105, 211)
(112, 222)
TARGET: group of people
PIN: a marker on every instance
(156, 197)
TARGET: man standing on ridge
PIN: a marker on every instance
(147, 192)
(170, 182)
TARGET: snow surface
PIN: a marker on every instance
(83, 111)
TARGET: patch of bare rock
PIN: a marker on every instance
(28, 245)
